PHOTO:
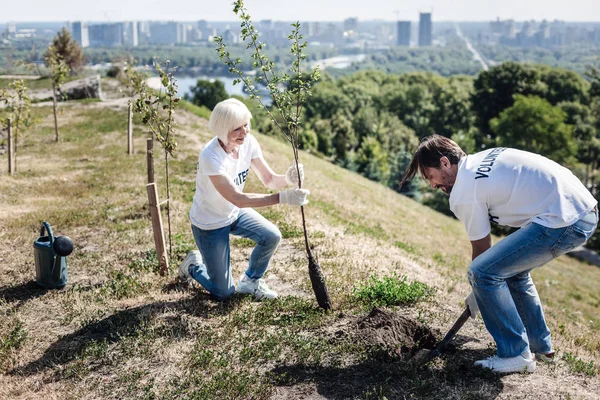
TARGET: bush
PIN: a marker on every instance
(390, 291)
(113, 71)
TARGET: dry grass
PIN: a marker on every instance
(119, 330)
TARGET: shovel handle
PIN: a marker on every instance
(455, 328)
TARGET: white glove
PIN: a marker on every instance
(291, 175)
(294, 197)
(471, 303)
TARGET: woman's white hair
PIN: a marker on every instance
(228, 115)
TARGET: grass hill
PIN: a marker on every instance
(120, 330)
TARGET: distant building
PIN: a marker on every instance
(81, 33)
(143, 32)
(230, 37)
(165, 33)
(403, 33)
(351, 24)
(202, 24)
(425, 30)
(182, 33)
(266, 24)
(106, 35)
(11, 28)
(314, 29)
(130, 34)
(205, 31)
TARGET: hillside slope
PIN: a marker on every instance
(120, 330)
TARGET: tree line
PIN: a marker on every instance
(371, 121)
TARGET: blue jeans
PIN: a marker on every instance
(215, 275)
(501, 281)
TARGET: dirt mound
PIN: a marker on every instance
(393, 335)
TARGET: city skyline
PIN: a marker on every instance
(304, 10)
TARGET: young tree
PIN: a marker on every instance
(58, 73)
(289, 96)
(131, 78)
(70, 51)
(157, 111)
(18, 105)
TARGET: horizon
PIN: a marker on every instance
(290, 21)
(302, 10)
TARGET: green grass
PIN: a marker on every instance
(11, 342)
(353, 222)
(36, 84)
(579, 366)
(390, 291)
(200, 111)
(131, 333)
(242, 242)
(406, 247)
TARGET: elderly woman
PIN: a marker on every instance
(221, 207)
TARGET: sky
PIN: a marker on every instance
(302, 10)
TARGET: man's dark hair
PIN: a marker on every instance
(431, 150)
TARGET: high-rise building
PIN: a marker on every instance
(182, 33)
(165, 33)
(351, 24)
(403, 33)
(314, 29)
(266, 24)
(81, 34)
(106, 35)
(425, 29)
(11, 28)
(130, 34)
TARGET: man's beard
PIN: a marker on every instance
(447, 189)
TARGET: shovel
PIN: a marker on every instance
(423, 356)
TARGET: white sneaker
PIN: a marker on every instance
(256, 287)
(522, 363)
(545, 357)
(192, 258)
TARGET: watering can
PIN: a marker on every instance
(51, 258)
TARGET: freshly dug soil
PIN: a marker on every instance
(393, 335)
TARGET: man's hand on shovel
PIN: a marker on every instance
(471, 303)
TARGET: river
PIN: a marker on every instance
(187, 82)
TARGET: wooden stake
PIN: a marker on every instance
(10, 149)
(150, 159)
(130, 130)
(55, 106)
(157, 228)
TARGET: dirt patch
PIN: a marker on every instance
(393, 335)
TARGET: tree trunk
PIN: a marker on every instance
(317, 279)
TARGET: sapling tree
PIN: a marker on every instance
(18, 106)
(59, 71)
(131, 78)
(157, 111)
(288, 93)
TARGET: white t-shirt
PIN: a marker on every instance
(209, 209)
(514, 188)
